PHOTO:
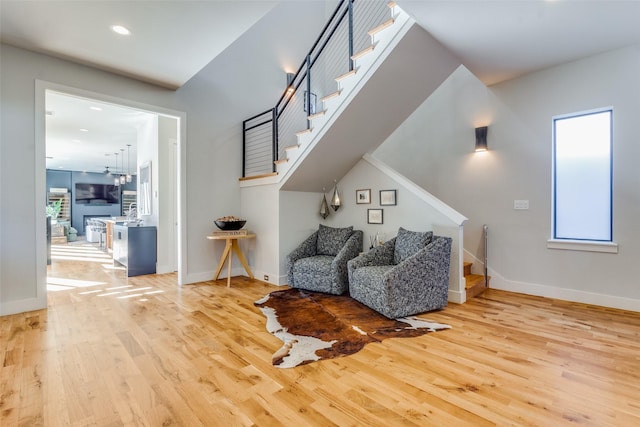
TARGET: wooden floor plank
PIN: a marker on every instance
(113, 350)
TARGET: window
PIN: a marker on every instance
(582, 176)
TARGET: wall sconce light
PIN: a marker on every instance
(290, 77)
(481, 138)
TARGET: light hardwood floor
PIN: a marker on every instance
(150, 353)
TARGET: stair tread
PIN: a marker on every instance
(381, 27)
(316, 115)
(292, 147)
(345, 75)
(474, 279)
(363, 52)
(331, 95)
(302, 132)
(280, 161)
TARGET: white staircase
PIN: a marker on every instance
(384, 39)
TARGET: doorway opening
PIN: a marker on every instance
(141, 134)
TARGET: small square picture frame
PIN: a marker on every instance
(363, 197)
(388, 198)
(374, 216)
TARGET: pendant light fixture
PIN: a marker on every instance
(335, 200)
(129, 178)
(123, 178)
(116, 179)
(324, 206)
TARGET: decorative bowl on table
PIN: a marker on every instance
(230, 223)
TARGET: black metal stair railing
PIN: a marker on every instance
(266, 135)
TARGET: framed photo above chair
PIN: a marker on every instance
(363, 197)
(374, 216)
(388, 197)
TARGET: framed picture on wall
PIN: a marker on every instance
(363, 197)
(388, 197)
(374, 216)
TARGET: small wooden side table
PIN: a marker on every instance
(231, 243)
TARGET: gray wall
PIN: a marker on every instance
(245, 79)
(434, 148)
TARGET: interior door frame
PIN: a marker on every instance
(41, 87)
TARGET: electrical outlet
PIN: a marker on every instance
(266, 278)
(521, 205)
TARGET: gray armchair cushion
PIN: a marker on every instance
(331, 240)
(408, 243)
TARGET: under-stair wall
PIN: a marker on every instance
(415, 210)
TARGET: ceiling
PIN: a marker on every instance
(171, 41)
(85, 135)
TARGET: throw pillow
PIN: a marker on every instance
(331, 240)
(408, 243)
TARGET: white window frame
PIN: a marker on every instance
(608, 246)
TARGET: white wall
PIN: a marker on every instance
(243, 80)
(260, 209)
(147, 148)
(167, 194)
(434, 148)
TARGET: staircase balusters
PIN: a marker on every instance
(267, 134)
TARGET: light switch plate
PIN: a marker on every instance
(520, 205)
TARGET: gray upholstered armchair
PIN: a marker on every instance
(407, 275)
(320, 262)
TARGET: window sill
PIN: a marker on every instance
(583, 245)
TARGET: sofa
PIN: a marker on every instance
(319, 263)
(407, 275)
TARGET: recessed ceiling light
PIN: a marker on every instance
(84, 130)
(123, 31)
(95, 108)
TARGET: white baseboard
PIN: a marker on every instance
(573, 295)
(205, 276)
(22, 306)
(457, 297)
(270, 277)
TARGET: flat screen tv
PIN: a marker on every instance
(97, 193)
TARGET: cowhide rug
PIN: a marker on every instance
(315, 326)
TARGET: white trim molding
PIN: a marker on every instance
(583, 245)
(565, 294)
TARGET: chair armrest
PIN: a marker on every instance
(380, 255)
(305, 249)
(429, 266)
(350, 250)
